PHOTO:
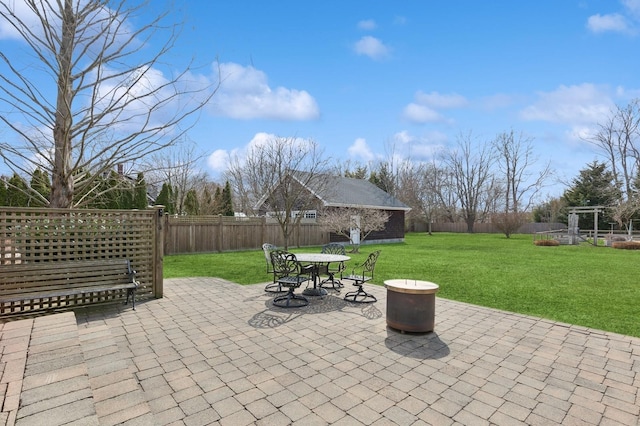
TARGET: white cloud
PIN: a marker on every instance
(421, 148)
(497, 101)
(578, 104)
(371, 47)
(93, 39)
(603, 23)
(360, 150)
(633, 7)
(579, 107)
(245, 94)
(260, 139)
(403, 137)
(368, 24)
(626, 21)
(438, 100)
(22, 10)
(218, 161)
(416, 113)
(426, 106)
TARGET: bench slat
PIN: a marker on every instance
(31, 283)
(68, 292)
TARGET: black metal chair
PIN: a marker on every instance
(364, 273)
(331, 282)
(274, 287)
(290, 276)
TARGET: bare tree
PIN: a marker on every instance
(619, 140)
(509, 223)
(516, 160)
(474, 182)
(177, 166)
(274, 179)
(89, 93)
(440, 180)
(521, 186)
(416, 189)
(342, 221)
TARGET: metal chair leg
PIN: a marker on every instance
(285, 301)
(359, 296)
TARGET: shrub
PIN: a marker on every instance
(547, 243)
(626, 245)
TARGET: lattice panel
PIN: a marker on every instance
(41, 235)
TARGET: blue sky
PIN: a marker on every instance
(359, 77)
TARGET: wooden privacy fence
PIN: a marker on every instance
(203, 234)
(488, 228)
(30, 235)
(207, 234)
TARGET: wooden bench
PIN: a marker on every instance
(33, 285)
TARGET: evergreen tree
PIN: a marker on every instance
(595, 186)
(550, 211)
(191, 203)
(3, 192)
(374, 179)
(217, 201)
(165, 198)
(17, 191)
(140, 196)
(117, 197)
(383, 179)
(359, 173)
(207, 201)
(227, 205)
(100, 200)
(41, 184)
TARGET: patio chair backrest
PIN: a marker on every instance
(284, 263)
(333, 248)
(267, 249)
(369, 265)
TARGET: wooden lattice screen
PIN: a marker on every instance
(47, 235)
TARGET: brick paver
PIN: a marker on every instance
(214, 352)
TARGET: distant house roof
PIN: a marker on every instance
(338, 191)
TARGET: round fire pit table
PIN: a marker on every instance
(411, 305)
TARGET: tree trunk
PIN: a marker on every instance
(62, 178)
(470, 223)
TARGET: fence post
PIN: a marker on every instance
(219, 235)
(158, 282)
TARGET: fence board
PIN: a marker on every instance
(202, 234)
(206, 234)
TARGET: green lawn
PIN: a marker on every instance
(590, 286)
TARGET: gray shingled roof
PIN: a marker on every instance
(338, 191)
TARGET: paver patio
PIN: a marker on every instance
(214, 352)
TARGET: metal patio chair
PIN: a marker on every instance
(290, 275)
(274, 287)
(332, 270)
(360, 275)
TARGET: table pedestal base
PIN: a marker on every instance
(314, 292)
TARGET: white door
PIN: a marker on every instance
(355, 230)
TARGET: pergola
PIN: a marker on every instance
(573, 229)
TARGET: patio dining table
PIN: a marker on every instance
(318, 259)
